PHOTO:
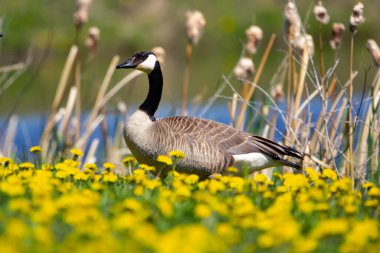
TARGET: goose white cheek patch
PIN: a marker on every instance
(147, 65)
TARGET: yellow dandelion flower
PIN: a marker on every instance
(183, 191)
(35, 149)
(202, 211)
(177, 154)
(21, 205)
(129, 160)
(350, 209)
(109, 166)
(96, 186)
(191, 179)
(281, 189)
(26, 165)
(371, 203)
(367, 185)
(147, 167)
(76, 152)
(139, 190)
(81, 176)
(232, 169)
(330, 227)
(164, 159)
(266, 241)
(90, 166)
(260, 178)
(312, 174)
(165, 207)
(109, 177)
(374, 192)
(47, 166)
(329, 173)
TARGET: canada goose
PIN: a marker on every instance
(209, 146)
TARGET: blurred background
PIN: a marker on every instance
(43, 31)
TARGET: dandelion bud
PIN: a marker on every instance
(337, 35)
(277, 92)
(292, 22)
(160, 54)
(375, 51)
(81, 13)
(92, 39)
(254, 36)
(320, 13)
(195, 24)
(356, 17)
(303, 42)
(244, 68)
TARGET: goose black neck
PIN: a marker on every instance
(150, 105)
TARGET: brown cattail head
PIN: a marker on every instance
(160, 54)
(304, 42)
(337, 35)
(92, 39)
(277, 92)
(321, 14)
(195, 24)
(254, 36)
(292, 21)
(356, 17)
(375, 51)
(81, 13)
(244, 68)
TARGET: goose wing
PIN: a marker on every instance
(220, 142)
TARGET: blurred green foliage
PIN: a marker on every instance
(44, 29)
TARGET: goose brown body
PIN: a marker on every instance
(209, 146)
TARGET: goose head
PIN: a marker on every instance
(144, 60)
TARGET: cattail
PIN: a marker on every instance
(81, 13)
(337, 35)
(321, 14)
(244, 68)
(277, 92)
(92, 39)
(375, 51)
(303, 42)
(160, 54)
(292, 22)
(254, 36)
(195, 24)
(356, 17)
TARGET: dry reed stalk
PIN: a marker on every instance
(314, 145)
(91, 157)
(363, 143)
(301, 84)
(63, 128)
(232, 108)
(350, 136)
(86, 135)
(331, 88)
(13, 67)
(104, 130)
(10, 135)
(243, 109)
(120, 85)
(78, 101)
(82, 142)
(186, 75)
(58, 98)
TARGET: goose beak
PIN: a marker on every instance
(127, 65)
